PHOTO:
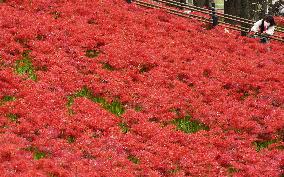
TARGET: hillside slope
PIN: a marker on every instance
(104, 88)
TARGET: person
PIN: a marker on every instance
(264, 27)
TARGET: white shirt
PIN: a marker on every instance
(256, 28)
(281, 9)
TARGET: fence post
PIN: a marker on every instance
(214, 15)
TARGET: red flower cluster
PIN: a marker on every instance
(279, 21)
(106, 88)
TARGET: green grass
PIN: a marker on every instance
(24, 66)
(7, 98)
(114, 107)
(13, 117)
(259, 145)
(91, 53)
(189, 126)
(133, 159)
(107, 66)
(231, 170)
(138, 108)
(175, 170)
(123, 127)
(87, 155)
(37, 154)
(71, 139)
(144, 68)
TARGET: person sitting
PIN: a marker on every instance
(265, 27)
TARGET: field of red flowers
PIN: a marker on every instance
(106, 88)
(280, 21)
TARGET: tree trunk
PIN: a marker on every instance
(232, 7)
(201, 3)
(244, 13)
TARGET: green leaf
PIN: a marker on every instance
(71, 139)
(138, 108)
(87, 155)
(36, 152)
(13, 117)
(92, 53)
(84, 92)
(25, 66)
(133, 159)
(263, 144)
(124, 127)
(114, 107)
(39, 155)
(7, 98)
(107, 66)
(189, 126)
(231, 170)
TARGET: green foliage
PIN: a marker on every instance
(39, 155)
(107, 66)
(245, 94)
(87, 155)
(138, 108)
(84, 92)
(114, 107)
(177, 111)
(231, 170)
(263, 144)
(24, 42)
(91, 53)
(13, 117)
(7, 98)
(124, 127)
(25, 66)
(133, 159)
(144, 68)
(189, 126)
(71, 139)
(175, 170)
